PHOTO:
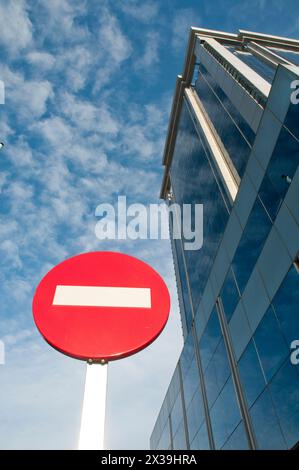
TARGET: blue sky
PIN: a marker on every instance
(88, 92)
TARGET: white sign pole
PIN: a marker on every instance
(94, 407)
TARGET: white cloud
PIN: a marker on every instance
(182, 21)
(88, 117)
(43, 61)
(10, 254)
(75, 64)
(20, 154)
(55, 131)
(145, 12)
(56, 20)
(114, 48)
(112, 40)
(28, 97)
(15, 26)
(150, 56)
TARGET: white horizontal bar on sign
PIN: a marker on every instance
(100, 296)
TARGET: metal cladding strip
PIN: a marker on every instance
(235, 376)
(203, 390)
(269, 40)
(266, 55)
(223, 168)
(248, 74)
(184, 408)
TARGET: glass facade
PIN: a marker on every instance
(236, 385)
(234, 132)
(192, 163)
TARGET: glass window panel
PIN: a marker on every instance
(195, 414)
(187, 354)
(251, 243)
(187, 309)
(289, 55)
(270, 344)
(285, 394)
(284, 162)
(225, 118)
(286, 303)
(251, 374)
(177, 413)
(180, 287)
(270, 197)
(291, 120)
(165, 440)
(193, 181)
(174, 387)
(225, 414)
(201, 440)
(229, 294)
(238, 439)
(217, 373)
(258, 65)
(210, 338)
(191, 382)
(179, 439)
(210, 378)
(266, 427)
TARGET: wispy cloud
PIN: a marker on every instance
(15, 25)
(145, 12)
(182, 21)
(150, 57)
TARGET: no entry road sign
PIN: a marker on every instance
(101, 306)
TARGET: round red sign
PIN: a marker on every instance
(101, 306)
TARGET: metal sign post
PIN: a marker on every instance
(94, 408)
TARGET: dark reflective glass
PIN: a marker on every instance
(195, 414)
(184, 312)
(291, 119)
(251, 243)
(216, 373)
(187, 354)
(266, 427)
(270, 344)
(289, 55)
(232, 129)
(187, 309)
(286, 303)
(193, 181)
(165, 439)
(191, 382)
(179, 439)
(174, 387)
(238, 439)
(285, 394)
(177, 414)
(270, 197)
(281, 169)
(210, 339)
(201, 440)
(259, 66)
(251, 374)
(229, 294)
(231, 136)
(225, 414)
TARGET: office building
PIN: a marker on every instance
(233, 145)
